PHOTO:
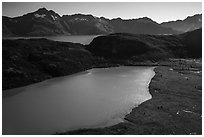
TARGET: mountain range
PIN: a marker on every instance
(188, 24)
(45, 22)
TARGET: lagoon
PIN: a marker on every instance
(98, 97)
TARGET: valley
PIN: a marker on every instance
(79, 74)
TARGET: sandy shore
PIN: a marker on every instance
(175, 107)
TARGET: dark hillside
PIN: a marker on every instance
(193, 41)
(153, 47)
(30, 61)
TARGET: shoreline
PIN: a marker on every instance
(74, 132)
(176, 89)
(8, 94)
(146, 72)
(173, 108)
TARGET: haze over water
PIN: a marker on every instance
(82, 39)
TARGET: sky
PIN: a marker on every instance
(158, 11)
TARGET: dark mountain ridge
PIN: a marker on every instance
(148, 47)
(45, 22)
(188, 24)
(87, 24)
(39, 23)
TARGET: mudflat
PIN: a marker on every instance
(175, 107)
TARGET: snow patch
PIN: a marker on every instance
(39, 16)
(170, 69)
(53, 17)
(200, 20)
(81, 19)
(187, 111)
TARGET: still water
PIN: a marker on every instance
(83, 39)
(95, 98)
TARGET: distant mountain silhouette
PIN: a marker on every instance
(38, 23)
(45, 22)
(188, 24)
(87, 24)
(139, 26)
